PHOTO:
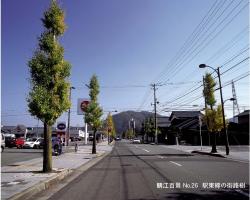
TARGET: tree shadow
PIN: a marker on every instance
(207, 195)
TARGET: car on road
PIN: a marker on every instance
(19, 142)
(118, 138)
(2, 142)
(136, 141)
(10, 140)
(35, 143)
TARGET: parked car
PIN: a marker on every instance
(35, 143)
(118, 138)
(91, 136)
(2, 143)
(136, 141)
(41, 143)
(10, 140)
(73, 139)
(19, 142)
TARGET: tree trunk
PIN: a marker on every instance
(94, 143)
(47, 149)
(108, 137)
(214, 150)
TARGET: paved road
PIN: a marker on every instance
(144, 171)
(13, 155)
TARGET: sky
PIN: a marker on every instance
(130, 45)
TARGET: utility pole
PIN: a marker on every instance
(155, 118)
(68, 130)
(223, 114)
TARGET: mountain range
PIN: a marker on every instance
(121, 120)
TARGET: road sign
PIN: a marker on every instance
(82, 104)
(61, 126)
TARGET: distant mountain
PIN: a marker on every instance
(121, 120)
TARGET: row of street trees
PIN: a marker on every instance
(49, 95)
(49, 72)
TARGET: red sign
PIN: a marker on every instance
(84, 105)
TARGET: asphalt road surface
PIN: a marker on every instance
(13, 155)
(147, 172)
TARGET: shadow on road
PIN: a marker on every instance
(207, 195)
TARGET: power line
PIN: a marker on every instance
(202, 45)
(210, 35)
(203, 24)
(229, 45)
(186, 94)
(234, 65)
(244, 75)
(224, 49)
(189, 40)
(189, 53)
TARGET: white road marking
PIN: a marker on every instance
(136, 146)
(176, 163)
(146, 150)
(13, 183)
(161, 157)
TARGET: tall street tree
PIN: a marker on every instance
(49, 95)
(110, 127)
(213, 115)
(93, 111)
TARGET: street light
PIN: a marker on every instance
(222, 103)
(231, 99)
(200, 122)
(133, 126)
(68, 134)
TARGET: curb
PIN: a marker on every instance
(208, 153)
(43, 185)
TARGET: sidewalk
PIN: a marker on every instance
(25, 178)
(239, 153)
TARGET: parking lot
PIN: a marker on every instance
(13, 155)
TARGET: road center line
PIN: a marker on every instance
(161, 157)
(146, 150)
(176, 163)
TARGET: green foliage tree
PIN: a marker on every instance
(149, 128)
(208, 91)
(214, 119)
(110, 127)
(129, 134)
(93, 111)
(213, 116)
(49, 95)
